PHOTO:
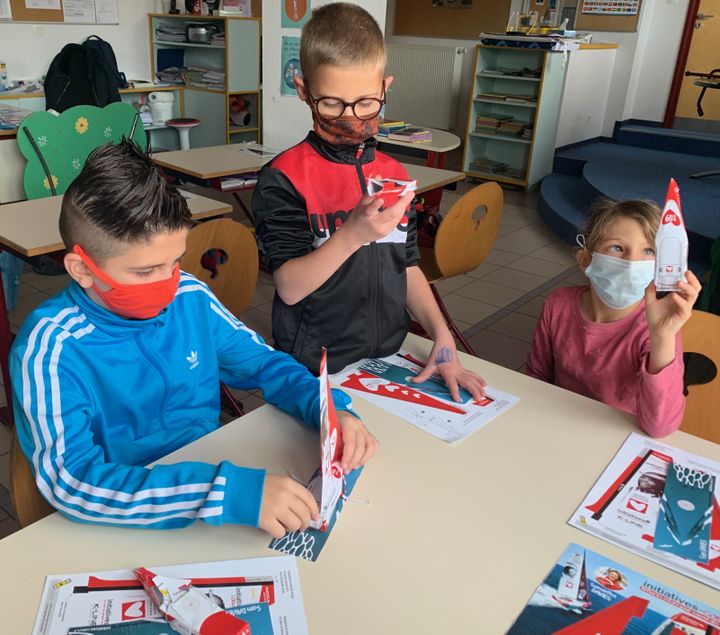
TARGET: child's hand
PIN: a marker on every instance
(444, 361)
(286, 506)
(367, 223)
(358, 445)
(666, 317)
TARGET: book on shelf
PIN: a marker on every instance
(512, 72)
(519, 99)
(411, 134)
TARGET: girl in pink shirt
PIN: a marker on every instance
(613, 340)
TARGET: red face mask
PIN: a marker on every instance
(137, 301)
(345, 130)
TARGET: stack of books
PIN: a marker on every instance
(388, 126)
(170, 34)
(489, 166)
(411, 134)
(511, 128)
(204, 77)
(514, 99)
(488, 124)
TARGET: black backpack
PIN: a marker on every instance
(106, 50)
(81, 75)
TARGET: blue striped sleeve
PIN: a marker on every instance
(53, 409)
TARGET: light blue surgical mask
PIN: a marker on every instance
(619, 283)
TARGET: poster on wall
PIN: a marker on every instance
(289, 64)
(613, 7)
(295, 13)
(452, 4)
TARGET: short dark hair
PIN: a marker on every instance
(120, 196)
(340, 34)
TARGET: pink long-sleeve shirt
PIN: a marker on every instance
(607, 362)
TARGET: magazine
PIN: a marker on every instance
(586, 593)
(661, 503)
(112, 601)
(386, 383)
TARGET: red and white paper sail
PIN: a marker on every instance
(331, 474)
(671, 243)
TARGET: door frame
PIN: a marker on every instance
(688, 31)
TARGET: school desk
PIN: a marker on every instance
(29, 229)
(209, 166)
(441, 142)
(455, 539)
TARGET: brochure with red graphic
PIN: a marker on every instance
(75, 600)
(386, 383)
(661, 503)
(586, 593)
(326, 484)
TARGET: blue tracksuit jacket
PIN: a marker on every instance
(97, 397)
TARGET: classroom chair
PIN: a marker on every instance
(223, 254)
(701, 334)
(464, 239)
(57, 146)
(29, 504)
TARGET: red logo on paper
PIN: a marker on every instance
(671, 217)
(637, 505)
(133, 610)
(668, 268)
(336, 471)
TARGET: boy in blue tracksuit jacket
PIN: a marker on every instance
(124, 367)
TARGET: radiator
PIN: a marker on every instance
(426, 86)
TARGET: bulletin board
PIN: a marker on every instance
(450, 18)
(607, 22)
(20, 13)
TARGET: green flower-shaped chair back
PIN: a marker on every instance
(59, 144)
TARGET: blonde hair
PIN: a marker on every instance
(605, 212)
(340, 34)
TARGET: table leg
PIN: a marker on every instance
(6, 412)
(431, 160)
(244, 208)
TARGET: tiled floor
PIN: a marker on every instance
(496, 305)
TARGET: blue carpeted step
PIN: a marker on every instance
(563, 205)
(669, 140)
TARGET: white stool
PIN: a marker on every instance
(183, 126)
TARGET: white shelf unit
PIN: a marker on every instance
(529, 159)
(238, 58)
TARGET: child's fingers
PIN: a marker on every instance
(349, 463)
(475, 385)
(348, 449)
(424, 375)
(451, 382)
(371, 447)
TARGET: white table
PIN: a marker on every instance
(455, 540)
(441, 142)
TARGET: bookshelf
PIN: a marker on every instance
(238, 57)
(513, 114)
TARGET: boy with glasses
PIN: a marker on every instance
(345, 268)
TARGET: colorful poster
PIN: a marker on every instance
(290, 64)
(587, 593)
(101, 598)
(661, 503)
(386, 383)
(295, 13)
(611, 7)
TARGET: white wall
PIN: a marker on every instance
(286, 120)
(28, 49)
(587, 87)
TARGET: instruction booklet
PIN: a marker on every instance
(386, 383)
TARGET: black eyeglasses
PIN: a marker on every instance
(334, 107)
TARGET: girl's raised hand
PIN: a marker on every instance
(666, 317)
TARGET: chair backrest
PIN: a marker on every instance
(29, 504)
(223, 253)
(701, 334)
(60, 144)
(464, 238)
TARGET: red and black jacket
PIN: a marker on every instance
(301, 197)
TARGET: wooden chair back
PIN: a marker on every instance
(29, 504)
(701, 334)
(234, 280)
(465, 235)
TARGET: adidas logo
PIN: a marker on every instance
(193, 360)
